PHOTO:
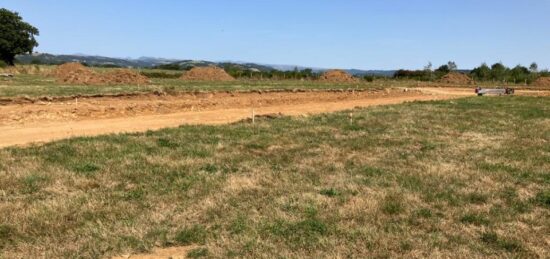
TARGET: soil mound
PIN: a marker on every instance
(125, 76)
(542, 81)
(337, 76)
(76, 73)
(456, 78)
(210, 73)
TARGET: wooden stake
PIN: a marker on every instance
(351, 118)
(253, 117)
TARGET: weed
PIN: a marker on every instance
(191, 235)
(476, 198)
(87, 169)
(198, 253)
(239, 225)
(7, 234)
(424, 213)
(33, 183)
(329, 192)
(166, 143)
(393, 204)
(492, 239)
(475, 219)
(543, 198)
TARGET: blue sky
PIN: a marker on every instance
(384, 34)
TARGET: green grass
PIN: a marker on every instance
(39, 86)
(466, 178)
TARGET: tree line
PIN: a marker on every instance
(497, 72)
(238, 71)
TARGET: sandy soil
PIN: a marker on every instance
(23, 122)
(162, 253)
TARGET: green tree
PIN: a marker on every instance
(519, 74)
(16, 36)
(428, 70)
(452, 66)
(482, 72)
(444, 69)
(534, 68)
(498, 71)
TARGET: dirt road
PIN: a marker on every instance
(25, 122)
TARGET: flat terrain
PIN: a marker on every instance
(40, 85)
(23, 122)
(466, 177)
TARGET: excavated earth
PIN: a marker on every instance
(24, 121)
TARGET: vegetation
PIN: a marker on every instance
(166, 81)
(427, 74)
(499, 72)
(16, 36)
(496, 73)
(422, 179)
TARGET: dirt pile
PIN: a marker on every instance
(337, 76)
(542, 81)
(76, 73)
(456, 78)
(210, 73)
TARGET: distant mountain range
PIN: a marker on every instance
(149, 62)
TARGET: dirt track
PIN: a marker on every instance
(42, 121)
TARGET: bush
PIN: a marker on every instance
(3, 64)
(369, 78)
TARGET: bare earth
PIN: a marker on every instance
(161, 253)
(28, 122)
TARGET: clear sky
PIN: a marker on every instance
(384, 34)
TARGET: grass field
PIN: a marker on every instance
(461, 178)
(38, 85)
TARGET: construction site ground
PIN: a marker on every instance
(24, 121)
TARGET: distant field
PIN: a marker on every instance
(35, 85)
(461, 178)
(39, 86)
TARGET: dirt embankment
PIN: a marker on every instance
(542, 82)
(76, 73)
(52, 120)
(24, 111)
(337, 76)
(210, 73)
(456, 79)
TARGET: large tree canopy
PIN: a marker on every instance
(16, 36)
